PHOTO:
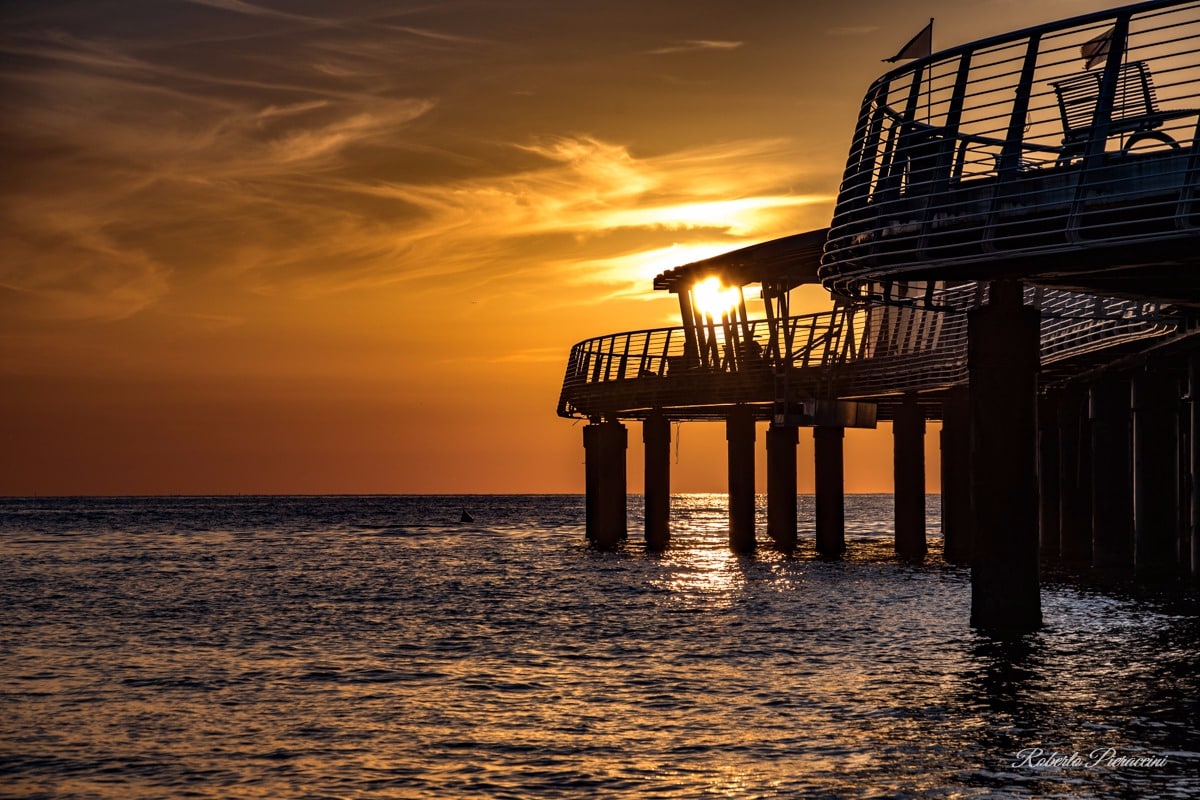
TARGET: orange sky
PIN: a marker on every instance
(345, 247)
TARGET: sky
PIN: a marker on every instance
(256, 246)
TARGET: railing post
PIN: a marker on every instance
(1101, 117)
(666, 353)
(691, 345)
(860, 165)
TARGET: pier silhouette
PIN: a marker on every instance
(1015, 251)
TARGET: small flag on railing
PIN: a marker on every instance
(919, 46)
(1095, 51)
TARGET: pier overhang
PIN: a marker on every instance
(787, 263)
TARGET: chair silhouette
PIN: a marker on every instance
(1134, 110)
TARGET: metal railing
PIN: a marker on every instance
(810, 340)
(967, 163)
(854, 351)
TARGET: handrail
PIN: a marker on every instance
(858, 350)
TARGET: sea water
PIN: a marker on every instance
(344, 647)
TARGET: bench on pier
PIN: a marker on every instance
(1134, 110)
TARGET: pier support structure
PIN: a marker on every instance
(1155, 399)
(908, 429)
(1075, 484)
(1049, 476)
(1194, 465)
(1112, 475)
(604, 445)
(739, 435)
(830, 488)
(956, 481)
(1003, 362)
(781, 485)
(656, 435)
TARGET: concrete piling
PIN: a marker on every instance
(1194, 464)
(604, 446)
(781, 486)
(1049, 477)
(656, 435)
(1155, 398)
(1075, 477)
(1003, 361)
(908, 429)
(739, 435)
(830, 490)
(956, 483)
(1112, 477)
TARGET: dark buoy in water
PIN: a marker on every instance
(466, 517)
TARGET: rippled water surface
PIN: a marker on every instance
(376, 647)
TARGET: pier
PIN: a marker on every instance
(1015, 252)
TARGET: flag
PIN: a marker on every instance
(918, 46)
(1095, 51)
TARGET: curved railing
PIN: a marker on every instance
(1067, 154)
(632, 370)
(854, 351)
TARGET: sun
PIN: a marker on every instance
(712, 298)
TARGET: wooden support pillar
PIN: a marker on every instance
(956, 481)
(739, 435)
(656, 434)
(908, 431)
(1075, 485)
(831, 490)
(1002, 360)
(781, 485)
(1155, 398)
(1112, 475)
(1049, 477)
(604, 446)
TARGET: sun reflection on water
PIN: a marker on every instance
(701, 567)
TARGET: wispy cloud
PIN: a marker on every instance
(309, 172)
(251, 9)
(596, 214)
(694, 45)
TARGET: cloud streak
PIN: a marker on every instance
(696, 45)
(315, 170)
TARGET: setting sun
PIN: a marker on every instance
(712, 298)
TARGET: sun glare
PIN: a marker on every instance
(713, 298)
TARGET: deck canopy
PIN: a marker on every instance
(792, 261)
